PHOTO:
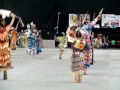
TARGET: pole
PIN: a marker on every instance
(57, 27)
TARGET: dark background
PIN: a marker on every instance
(44, 12)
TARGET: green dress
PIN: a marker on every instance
(62, 42)
(23, 41)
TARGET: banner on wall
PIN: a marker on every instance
(77, 19)
(110, 20)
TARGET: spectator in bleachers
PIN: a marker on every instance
(104, 42)
(98, 41)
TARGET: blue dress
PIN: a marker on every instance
(32, 42)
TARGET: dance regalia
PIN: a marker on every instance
(71, 32)
(78, 57)
(86, 32)
(23, 40)
(32, 42)
(13, 39)
(4, 48)
(39, 44)
(62, 42)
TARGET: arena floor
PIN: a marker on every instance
(46, 72)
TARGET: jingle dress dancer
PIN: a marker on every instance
(23, 40)
(13, 38)
(77, 64)
(4, 46)
(32, 44)
(39, 44)
(62, 42)
(86, 32)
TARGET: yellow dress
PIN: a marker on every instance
(62, 42)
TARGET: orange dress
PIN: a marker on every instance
(4, 48)
(13, 39)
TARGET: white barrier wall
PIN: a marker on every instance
(49, 43)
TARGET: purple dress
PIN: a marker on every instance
(86, 32)
(78, 58)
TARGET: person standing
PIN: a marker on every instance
(98, 41)
(23, 39)
(77, 62)
(39, 44)
(62, 43)
(32, 44)
(86, 30)
(13, 38)
(5, 62)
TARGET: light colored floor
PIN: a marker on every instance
(47, 72)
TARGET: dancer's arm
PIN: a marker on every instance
(89, 26)
(69, 38)
(8, 27)
(13, 19)
(97, 18)
(17, 24)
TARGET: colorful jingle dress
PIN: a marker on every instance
(32, 42)
(62, 42)
(86, 32)
(71, 32)
(78, 57)
(13, 39)
(39, 44)
(23, 40)
(4, 48)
